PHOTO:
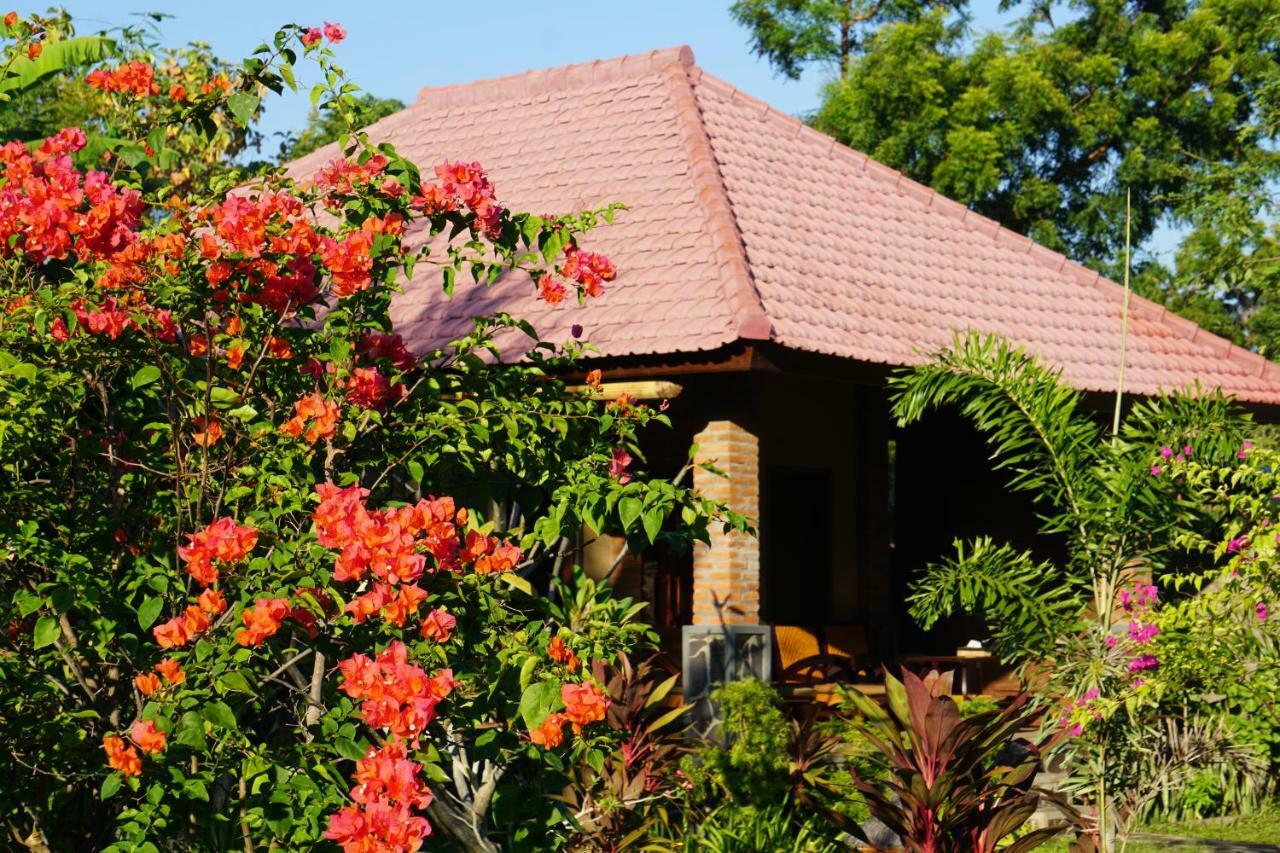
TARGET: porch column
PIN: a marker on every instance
(726, 575)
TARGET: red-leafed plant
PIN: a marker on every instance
(949, 784)
(619, 796)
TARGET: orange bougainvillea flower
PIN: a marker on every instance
(439, 625)
(223, 540)
(594, 379)
(207, 431)
(172, 634)
(315, 417)
(551, 733)
(171, 671)
(211, 602)
(262, 620)
(148, 738)
(148, 683)
(583, 704)
(197, 345)
(235, 356)
(121, 757)
(279, 347)
(560, 653)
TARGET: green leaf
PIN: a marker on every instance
(149, 611)
(46, 631)
(220, 714)
(539, 700)
(145, 376)
(629, 510)
(235, 682)
(348, 748)
(652, 521)
(190, 731)
(243, 105)
(110, 785)
(515, 581)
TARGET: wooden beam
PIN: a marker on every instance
(653, 389)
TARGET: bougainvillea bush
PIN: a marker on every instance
(270, 579)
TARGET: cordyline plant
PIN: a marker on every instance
(270, 579)
(949, 784)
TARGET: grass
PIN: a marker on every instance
(1261, 828)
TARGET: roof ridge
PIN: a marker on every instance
(541, 81)
(736, 279)
(1145, 308)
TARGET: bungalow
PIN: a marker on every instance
(779, 278)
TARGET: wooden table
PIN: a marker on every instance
(960, 662)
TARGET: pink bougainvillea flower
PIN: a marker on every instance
(334, 33)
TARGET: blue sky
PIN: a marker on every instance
(395, 48)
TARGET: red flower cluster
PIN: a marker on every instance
(588, 269)
(438, 626)
(148, 738)
(262, 620)
(136, 78)
(48, 207)
(380, 827)
(550, 734)
(388, 785)
(345, 177)
(181, 630)
(490, 554)
(551, 290)
(375, 345)
(224, 541)
(322, 415)
(369, 389)
(467, 185)
(121, 757)
(583, 704)
(395, 694)
(560, 653)
(386, 542)
(271, 244)
(395, 604)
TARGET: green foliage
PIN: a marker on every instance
(731, 828)
(1096, 492)
(751, 766)
(1174, 701)
(330, 126)
(1045, 125)
(1025, 603)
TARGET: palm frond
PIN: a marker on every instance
(57, 56)
(1028, 415)
(1026, 604)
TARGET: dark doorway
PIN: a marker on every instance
(795, 531)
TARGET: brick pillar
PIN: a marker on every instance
(726, 575)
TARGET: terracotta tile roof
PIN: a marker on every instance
(744, 224)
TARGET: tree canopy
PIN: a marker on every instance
(1047, 124)
(324, 127)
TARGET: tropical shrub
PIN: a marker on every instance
(1143, 544)
(269, 577)
(949, 783)
(635, 788)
